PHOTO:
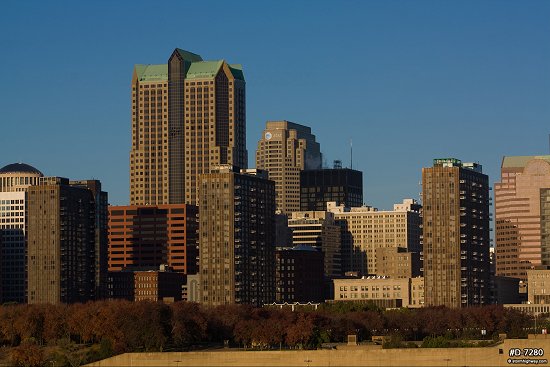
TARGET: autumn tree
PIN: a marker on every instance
(189, 324)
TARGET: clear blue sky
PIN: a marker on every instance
(407, 80)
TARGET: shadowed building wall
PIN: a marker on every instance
(236, 237)
(149, 236)
(61, 242)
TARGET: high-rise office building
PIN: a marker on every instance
(101, 229)
(342, 185)
(149, 153)
(150, 236)
(187, 115)
(14, 180)
(285, 149)
(318, 230)
(366, 229)
(214, 129)
(520, 200)
(455, 219)
(61, 242)
(236, 237)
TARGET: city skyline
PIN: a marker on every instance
(389, 75)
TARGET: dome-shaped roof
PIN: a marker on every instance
(19, 167)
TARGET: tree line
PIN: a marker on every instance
(119, 326)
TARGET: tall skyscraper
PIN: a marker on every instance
(61, 242)
(149, 154)
(101, 230)
(186, 116)
(455, 233)
(342, 185)
(285, 149)
(236, 237)
(520, 199)
(207, 123)
(150, 236)
(14, 180)
(366, 229)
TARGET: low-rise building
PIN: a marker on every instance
(160, 284)
(402, 292)
(538, 289)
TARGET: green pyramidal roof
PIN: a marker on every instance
(197, 70)
(152, 72)
(204, 69)
(209, 69)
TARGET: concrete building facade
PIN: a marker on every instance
(397, 262)
(236, 237)
(538, 291)
(149, 236)
(455, 233)
(521, 198)
(61, 242)
(286, 149)
(318, 230)
(366, 229)
(408, 292)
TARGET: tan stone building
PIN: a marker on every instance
(538, 290)
(236, 237)
(18, 177)
(518, 199)
(187, 116)
(404, 292)
(319, 230)
(455, 222)
(365, 229)
(397, 262)
(149, 153)
(285, 149)
(214, 120)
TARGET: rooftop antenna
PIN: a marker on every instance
(351, 151)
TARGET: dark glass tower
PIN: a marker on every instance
(342, 185)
